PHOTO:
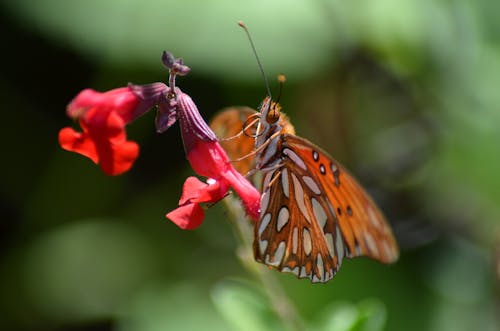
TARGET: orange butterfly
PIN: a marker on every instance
(313, 212)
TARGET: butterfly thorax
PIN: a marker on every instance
(272, 125)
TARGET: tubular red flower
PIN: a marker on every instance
(208, 159)
(103, 117)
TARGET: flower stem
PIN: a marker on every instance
(280, 302)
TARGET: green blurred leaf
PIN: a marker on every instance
(181, 306)
(86, 269)
(372, 315)
(368, 315)
(204, 33)
(244, 307)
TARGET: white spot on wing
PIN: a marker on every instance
(329, 243)
(267, 259)
(264, 201)
(372, 216)
(319, 213)
(284, 182)
(262, 246)
(269, 152)
(283, 217)
(332, 210)
(295, 240)
(303, 273)
(306, 237)
(264, 223)
(371, 243)
(267, 180)
(278, 254)
(339, 246)
(295, 158)
(321, 267)
(311, 184)
(389, 252)
(299, 197)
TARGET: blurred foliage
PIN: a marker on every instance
(403, 92)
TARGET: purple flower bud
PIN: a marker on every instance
(176, 66)
(149, 94)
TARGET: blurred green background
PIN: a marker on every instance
(405, 93)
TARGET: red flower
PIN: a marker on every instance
(103, 117)
(206, 156)
(208, 159)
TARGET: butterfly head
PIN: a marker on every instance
(270, 111)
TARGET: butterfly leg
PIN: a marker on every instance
(246, 126)
(259, 149)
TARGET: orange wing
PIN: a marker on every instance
(228, 123)
(314, 213)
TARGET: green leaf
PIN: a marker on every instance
(181, 306)
(368, 315)
(245, 308)
(204, 33)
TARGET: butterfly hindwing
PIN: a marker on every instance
(288, 239)
(229, 123)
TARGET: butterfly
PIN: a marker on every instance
(313, 211)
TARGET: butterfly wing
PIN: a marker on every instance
(314, 213)
(228, 123)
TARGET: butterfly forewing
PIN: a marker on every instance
(314, 213)
(362, 224)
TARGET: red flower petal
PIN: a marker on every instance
(77, 142)
(195, 190)
(103, 140)
(191, 189)
(187, 217)
(116, 154)
(122, 100)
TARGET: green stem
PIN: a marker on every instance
(277, 296)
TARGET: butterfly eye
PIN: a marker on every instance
(273, 115)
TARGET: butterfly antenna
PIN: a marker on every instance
(281, 80)
(240, 23)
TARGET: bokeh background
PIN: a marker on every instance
(405, 93)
